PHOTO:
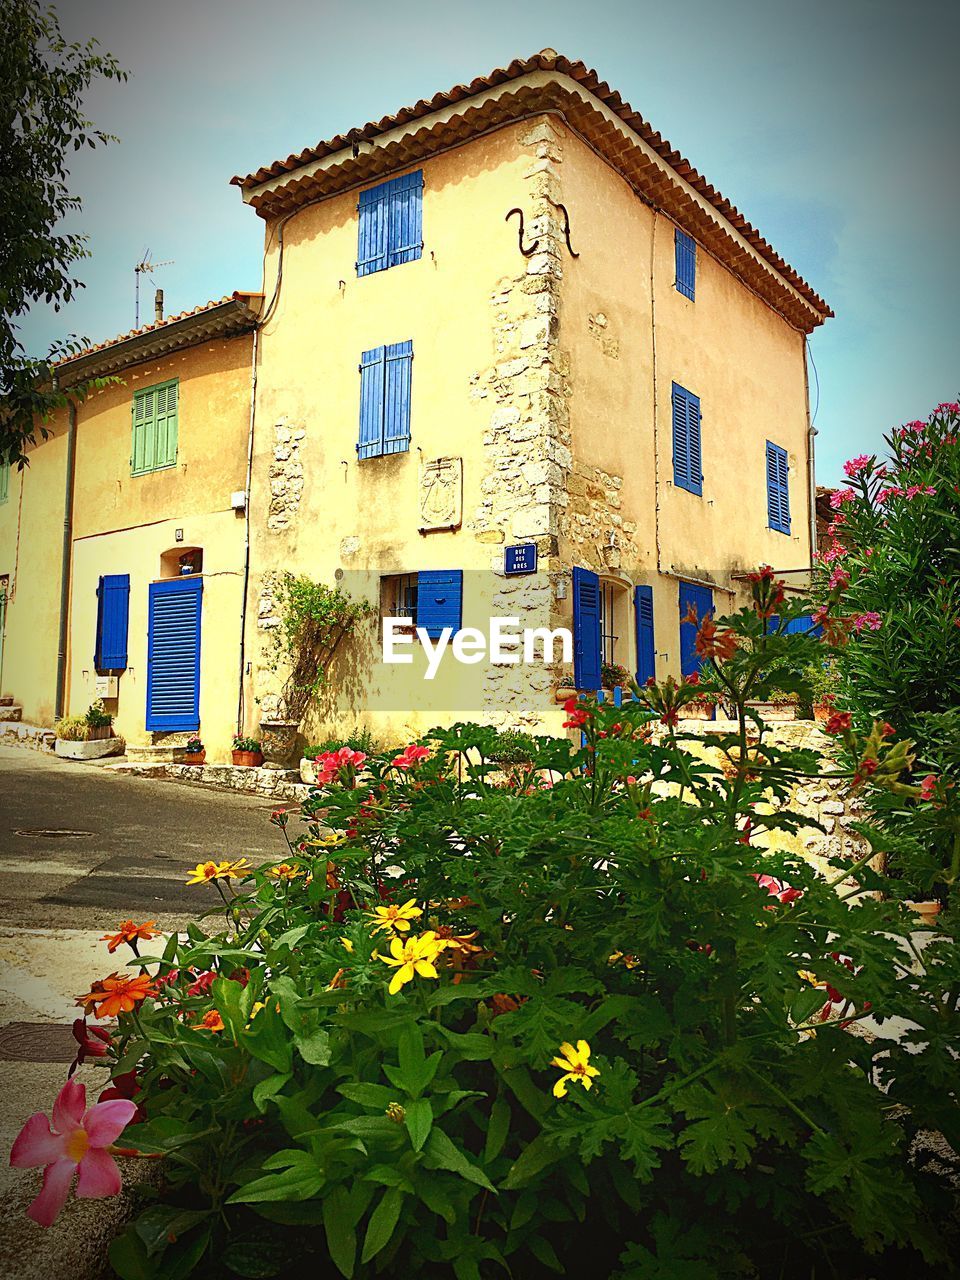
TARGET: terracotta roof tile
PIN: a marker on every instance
(549, 60)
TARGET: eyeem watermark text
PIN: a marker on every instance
(504, 642)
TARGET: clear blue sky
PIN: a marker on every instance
(831, 124)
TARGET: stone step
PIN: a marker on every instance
(23, 734)
(10, 710)
(6, 699)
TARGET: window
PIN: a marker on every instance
(155, 427)
(385, 377)
(113, 612)
(687, 461)
(608, 624)
(390, 224)
(4, 481)
(700, 600)
(398, 597)
(586, 629)
(685, 253)
(778, 488)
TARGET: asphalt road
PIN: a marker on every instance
(81, 847)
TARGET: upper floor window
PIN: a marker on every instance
(685, 251)
(155, 427)
(608, 623)
(687, 460)
(385, 377)
(390, 223)
(4, 481)
(778, 488)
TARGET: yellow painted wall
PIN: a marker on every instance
(31, 544)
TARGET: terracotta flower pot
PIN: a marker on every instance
(194, 757)
(697, 711)
(248, 759)
(97, 733)
(822, 711)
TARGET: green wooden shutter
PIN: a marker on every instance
(155, 427)
(4, 481)
(166, 450)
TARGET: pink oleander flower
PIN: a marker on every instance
(410, 757)
(948, 406)
(835, 551)
(853, 466)
(915, 490)
(779, 889)
(868, 619)
(917, 426)
(76, 1141)
(891, 491)
(840, 496)
(839, 578)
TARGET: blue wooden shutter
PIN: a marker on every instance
(439, 600)
(586, 629)
(685, 251)
(173, 655)
(687, 459)
(405, 233)
(113, 613)
(778, 488)
(374, 220)
(646, 650)
(396, 414)
(702, 600)
(372, 366)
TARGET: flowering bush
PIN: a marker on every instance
(575, 1021)
(892, 571)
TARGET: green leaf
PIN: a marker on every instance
(382, 1224)
(161, 1225)
(255, 1259)
(300, 1181)
(498, 1127)
(377, 1096)
(129, 1259)
(341, 1231)
(806, 1003)
(315, 1047)
(419, 1121)
(534, 1158)
(470, 1045)
(265, 1090)
(442, 1153)
(543, 1251)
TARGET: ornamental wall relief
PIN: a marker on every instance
(441, 495)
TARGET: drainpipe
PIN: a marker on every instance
(66, 558)
(246, 517)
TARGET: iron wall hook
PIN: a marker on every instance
(566, 230)
(533, 248)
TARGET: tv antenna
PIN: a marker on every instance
(144, 266)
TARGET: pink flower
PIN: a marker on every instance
(840, 496)
(779, 889)
(884, 495)
(75, 1142)
(928, 786)
(915, 490)
(948, 406)
(410, 757)
(339, 765)
(854, 466)
(868, 619)
(839, 578)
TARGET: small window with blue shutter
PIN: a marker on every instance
(587, 650)
(385, 381)
(687, 458)
(390, 224)
(439, 600)
(113, 614)
(778, 488)
(685, 253)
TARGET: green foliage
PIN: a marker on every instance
(241, 743)
(891, 577)
(43, 82)
(314, 620)
(96, 717)
(613, 899)
(513, 746)
(71, 728)
(359, 740)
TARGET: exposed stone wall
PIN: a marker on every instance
(286, 476)
(526, 445)
(593, 514)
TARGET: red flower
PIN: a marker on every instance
(410, 757)
(839, 722)
(92, 1041)
(928, 786)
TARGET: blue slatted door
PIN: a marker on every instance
(396, 412)
(173, 655)
(372, 378)
(439, 600)
(405, 236)
(778, 488)
(373, 210)
(686, 263)
(646, 649)
(586, 629)
(702, 599)
(113, 615)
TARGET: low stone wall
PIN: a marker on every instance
(277, 784)
(35, 737)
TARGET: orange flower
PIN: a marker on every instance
(115, 995)
(130, 933)
(711, 642)
(211, 1021)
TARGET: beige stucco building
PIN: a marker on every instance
(508, 317)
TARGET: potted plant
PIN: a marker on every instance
(314, 619)
(194, 752)
(613, 675)
(99, 722)
(247, 753)
(77, 739)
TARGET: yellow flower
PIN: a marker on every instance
(347, 945)
(327, 841)
(410, 956)
(206, 872)
(256, 1007)
(394, 917)
(575, 1065)
(285, 871)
